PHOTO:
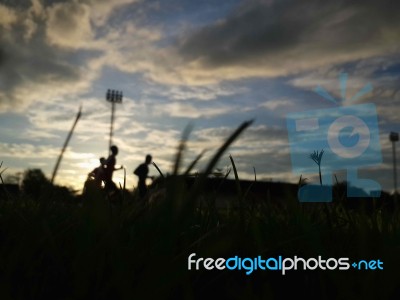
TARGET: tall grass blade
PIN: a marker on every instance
(251, 185)
(158, 169)
(225, 146)
(181, 148)
(216, 157)
(65, 145)
(192, 165)
(1, 177)
(124, 179)
(237, 181)
(2, 181)
(239, 192)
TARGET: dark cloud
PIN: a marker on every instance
(30, 67)
(30, 62)
(262, 31)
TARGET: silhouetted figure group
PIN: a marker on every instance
(104, 173)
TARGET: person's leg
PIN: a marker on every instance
(110, 186)
(142, 190)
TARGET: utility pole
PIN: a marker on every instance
(394, 137)
(114, 97)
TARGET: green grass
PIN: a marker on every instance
(54, 247)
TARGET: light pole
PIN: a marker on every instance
(394, 137)
(113, 96)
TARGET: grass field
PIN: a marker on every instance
(89, 247)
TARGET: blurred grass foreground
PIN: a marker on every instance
(54, 245)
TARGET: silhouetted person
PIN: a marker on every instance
(109, 168)
(98, 173)
(142, 172)
(95, 178)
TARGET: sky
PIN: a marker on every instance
(206, 64)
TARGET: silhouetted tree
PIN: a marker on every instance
(34, 183)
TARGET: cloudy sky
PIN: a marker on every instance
(212, 64)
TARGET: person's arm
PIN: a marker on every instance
(92, 173)
(137, 172)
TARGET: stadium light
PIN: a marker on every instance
(114, 97)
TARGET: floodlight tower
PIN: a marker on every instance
(394, 137)
(114, 97)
